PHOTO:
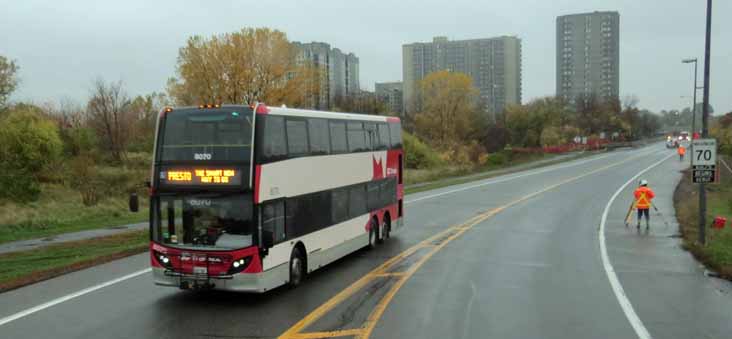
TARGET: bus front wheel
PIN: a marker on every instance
(297, 267)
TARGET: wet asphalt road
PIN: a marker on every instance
(531, 269)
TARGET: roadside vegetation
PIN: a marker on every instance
(717, 254)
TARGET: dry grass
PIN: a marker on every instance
(60, 210)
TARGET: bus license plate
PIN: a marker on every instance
(200, 270)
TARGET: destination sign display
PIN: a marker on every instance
(201, 176)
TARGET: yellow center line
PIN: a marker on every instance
(389, 274)
(449, 234)
(330, 334)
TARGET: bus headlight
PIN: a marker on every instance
(239, 265)
(163, 260)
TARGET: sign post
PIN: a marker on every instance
(704, 161)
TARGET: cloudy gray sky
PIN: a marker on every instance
(62, 45)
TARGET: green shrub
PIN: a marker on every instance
(496, 159)
(79, 140)
(85, 179)
(551, 136)
(418, 154)
(29, 144)
(17, 185)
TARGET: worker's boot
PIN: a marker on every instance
(638, 225)
(648, 224)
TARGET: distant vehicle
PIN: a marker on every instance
(684, 136)
(248, 198)
(671, 142)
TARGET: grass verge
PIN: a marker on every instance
(60, 210)
(22, 268)
(717, 254)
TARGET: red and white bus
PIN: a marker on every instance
(248, 198)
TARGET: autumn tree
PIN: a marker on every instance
(449, 108)
(109, 114)
(8, 80)
(243, 67)
(541, 122)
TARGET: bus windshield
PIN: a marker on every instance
(207, 134)
(213, 221)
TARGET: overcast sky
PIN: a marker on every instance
(62, 45)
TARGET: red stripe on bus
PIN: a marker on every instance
(257, 176)
(393, 119)
(262, 109)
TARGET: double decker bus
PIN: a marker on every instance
(249, 198)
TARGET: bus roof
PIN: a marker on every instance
(306, 113)
(329, 115)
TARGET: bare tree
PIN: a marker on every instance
(109, 114)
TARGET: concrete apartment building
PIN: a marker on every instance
(340, 71)
(493, 63)
(588, 56)
(391, 93)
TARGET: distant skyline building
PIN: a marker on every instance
(588, 56)
(391, 93)
(339, 71)
(493, 63)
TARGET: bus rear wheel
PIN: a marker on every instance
(297, 267)
(374, 233)
(387, 227)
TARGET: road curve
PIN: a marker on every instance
(516, 256)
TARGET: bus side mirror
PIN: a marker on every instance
(134, 202)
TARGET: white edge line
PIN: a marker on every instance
(625, 304)
(68, 297)
(725, 165)
(500, 180)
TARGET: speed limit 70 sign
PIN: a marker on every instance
(705, 152)
(704, 160)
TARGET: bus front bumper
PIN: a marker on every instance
(243, 282)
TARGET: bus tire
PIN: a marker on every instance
(387, 227)
(374, 233)
(297, 267)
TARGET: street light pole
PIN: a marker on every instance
(693, 109)
(693, 105)
(705, 120)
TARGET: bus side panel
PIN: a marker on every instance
(293, 177)
(343, 234)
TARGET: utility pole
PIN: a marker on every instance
(705, 120)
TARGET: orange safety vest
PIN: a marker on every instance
(643, 196)
(682, 150)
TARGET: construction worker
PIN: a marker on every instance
(682, 151)
(643, 196)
